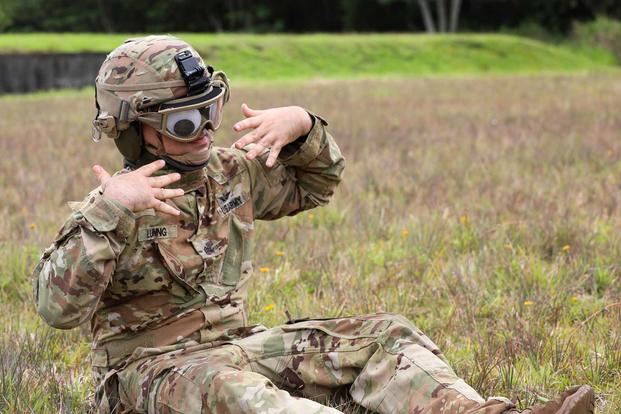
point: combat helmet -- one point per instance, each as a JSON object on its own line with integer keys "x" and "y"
{"x": 153, "y": 80}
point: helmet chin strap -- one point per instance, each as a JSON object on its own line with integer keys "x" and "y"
{"x": 176, "y": 165}
{"x": 181, "y": 164}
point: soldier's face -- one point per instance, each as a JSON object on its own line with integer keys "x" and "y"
{"x": 173, "y": 147}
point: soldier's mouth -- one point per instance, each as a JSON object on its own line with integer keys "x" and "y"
{"x": 204, "y": 139}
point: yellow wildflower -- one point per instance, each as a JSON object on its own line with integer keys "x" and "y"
{"x": 463, "y": 219}
{"x": 32, "y": 226}
{"x": 574, "y": 299}
{"x": 528, "y": 303}
{"x": 566, "y": 248}
{"x": 264, "y": 269}
{"x": 279, "y": 253}
{"x": 405, "y": 233}
{"x": 268, "y": 308}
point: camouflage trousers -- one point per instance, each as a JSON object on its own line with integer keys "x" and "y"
{"x": 388, "y": 365}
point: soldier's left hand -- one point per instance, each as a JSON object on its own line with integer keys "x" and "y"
{"x": 271, "y": 128}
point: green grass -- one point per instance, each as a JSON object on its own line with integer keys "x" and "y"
{"x": 489, "y": 219}
{"x": 257, "y": 57}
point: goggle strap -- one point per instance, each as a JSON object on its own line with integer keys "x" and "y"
{"x": 153, "y": 119}
{"x": 223, "y": 80}
{"x": 124, "y": 111}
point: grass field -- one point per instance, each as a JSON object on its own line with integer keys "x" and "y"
{"x": 486, "y": 210}
{"x": 259, "y": 57}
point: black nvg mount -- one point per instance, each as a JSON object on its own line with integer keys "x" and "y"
{"x": 193, "y": 72}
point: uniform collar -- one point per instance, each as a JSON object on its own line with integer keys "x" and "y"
{"x": 192, "y": 180}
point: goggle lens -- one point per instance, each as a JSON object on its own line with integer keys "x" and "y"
{"x": 215, "y": 113}
{"x": 184, "y": 123}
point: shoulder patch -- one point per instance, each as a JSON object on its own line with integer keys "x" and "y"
{"x": 228, "y": 200}
{"x": 157, "y": 232}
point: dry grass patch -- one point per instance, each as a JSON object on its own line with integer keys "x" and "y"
{"x": 486, "y": 210}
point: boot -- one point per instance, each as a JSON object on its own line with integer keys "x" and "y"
{"x": 575, "y": 400}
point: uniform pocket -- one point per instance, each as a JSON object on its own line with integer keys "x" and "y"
{"x": 174, "y": 265}
{"x": 239, "y": 247}
{"x": 345, "y": 328}
{"x": 313, "y": 336}
{"x": 176, "y": 393}
{"x": 212, "y": 253}
{"x": 68, "y": 230}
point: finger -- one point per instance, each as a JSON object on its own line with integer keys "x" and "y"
{"x": 164, "y": 193}
{"x": 253, "y": 122}
{"x": 165, "y": 208}
{"x": 248, "y": 111}
{"x": 255, "y": 151}
{"x": 271, "y": 159}
{"x": 101, "y": 174}
{"x": 249, "y": 138}
{"x": 164, "y": 180}
{"x": 152, "y": 167}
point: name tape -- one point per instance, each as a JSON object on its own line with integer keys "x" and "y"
{"x": 157, "y": 232}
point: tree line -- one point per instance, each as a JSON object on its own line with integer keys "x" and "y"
{"x": 555, "y": 16}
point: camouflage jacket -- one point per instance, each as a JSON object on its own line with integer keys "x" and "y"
{"x": 148, "y": 279}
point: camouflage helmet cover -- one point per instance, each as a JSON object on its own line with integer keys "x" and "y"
{"x": 139, "y": 74}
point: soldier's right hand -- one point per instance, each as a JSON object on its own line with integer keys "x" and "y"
{"x": 137, "y": 190}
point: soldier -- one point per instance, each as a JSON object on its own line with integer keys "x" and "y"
{"x": 158, "y": 258}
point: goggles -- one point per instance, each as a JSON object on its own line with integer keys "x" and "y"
{"x": 184, "y": 119}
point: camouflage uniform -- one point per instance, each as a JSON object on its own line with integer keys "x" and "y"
{"x": 164, "y": 296}
{"x": 165, "y": 299}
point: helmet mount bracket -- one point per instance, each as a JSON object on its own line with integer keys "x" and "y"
{"x": 193, "y": 72}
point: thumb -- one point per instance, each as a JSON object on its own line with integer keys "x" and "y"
{"x": 248, "y": 112}
{"x": 101, "y": 174}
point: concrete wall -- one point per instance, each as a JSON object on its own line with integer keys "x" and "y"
{"x": 21, "y": 73}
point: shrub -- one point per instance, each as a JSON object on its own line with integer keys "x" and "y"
{"x": 602, "y": 32}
